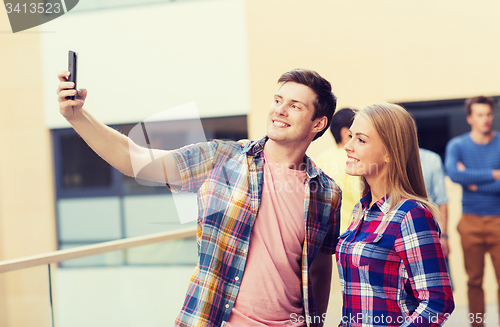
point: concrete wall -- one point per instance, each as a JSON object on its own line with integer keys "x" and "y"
{"x": 373, "y": 51}
{"x": 27, "y": 224}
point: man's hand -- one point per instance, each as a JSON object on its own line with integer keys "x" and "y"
{"x": 472, "y": 187}
{"x": 444, "y": 246}
{"x": 496, "y": 174}
{"x": 321, "y": 279}
{"x": 69, "y": 108}
{"x": 461, "y": 167}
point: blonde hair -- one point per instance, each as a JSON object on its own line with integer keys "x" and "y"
{"x": 403, "y": 175}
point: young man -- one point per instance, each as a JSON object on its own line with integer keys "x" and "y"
{"x": 268, "y": 218}
{"x": 333, "y": 162}
{"x": 473, "y": 160}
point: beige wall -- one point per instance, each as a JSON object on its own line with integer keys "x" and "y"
{"x": 374, "y": 51}
{"x": 27, "y": 224}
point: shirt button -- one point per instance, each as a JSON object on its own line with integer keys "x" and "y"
{"x": 227, "y": 306}
{"x": 236, "y": 278}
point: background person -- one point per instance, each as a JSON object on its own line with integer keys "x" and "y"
{"x": 390, "y": 259}
{"x": 473, "y": 161}
{"x": 264, "y": 252}
{"x": 433, "y": 171}
{"x": 333, "y": 162}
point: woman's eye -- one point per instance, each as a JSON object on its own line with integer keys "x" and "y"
{"x": 361, "y": 140}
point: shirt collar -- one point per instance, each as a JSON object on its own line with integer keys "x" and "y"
{"x": 256, "y": 147}
{"x": 383, "y": 204}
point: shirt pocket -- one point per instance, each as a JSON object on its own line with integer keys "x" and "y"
{"x": 363, "y": 251}
{"x": 341, "y": 251}
{"x": 344, "y": 234}
{"x": 342, "y": 245}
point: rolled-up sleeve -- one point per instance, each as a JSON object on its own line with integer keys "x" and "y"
{"x": 194, "y": 163}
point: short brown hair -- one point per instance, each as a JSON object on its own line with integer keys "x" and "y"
{"x": 326, "y": 101}
{"x": 479, "y": 99}
{"x": 342, "y": 118}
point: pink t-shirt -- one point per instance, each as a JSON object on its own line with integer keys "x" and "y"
{"x": 271, "y": 287}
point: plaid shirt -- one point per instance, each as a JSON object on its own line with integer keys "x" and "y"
{"x": 227, "y": 177}
{"x": 392, "y": 268}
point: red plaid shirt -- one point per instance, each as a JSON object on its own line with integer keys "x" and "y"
{"x": 392, "y": 268}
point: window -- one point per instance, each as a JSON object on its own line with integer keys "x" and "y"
{"x": 96, "y": 203}
{"x": 439, "y": 121}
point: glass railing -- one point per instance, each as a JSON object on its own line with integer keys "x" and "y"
{"x": 42, "y": 292}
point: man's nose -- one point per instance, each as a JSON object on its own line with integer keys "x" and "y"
{"x": 281, "y": 109}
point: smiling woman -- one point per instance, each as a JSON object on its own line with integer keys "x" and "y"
{"x": 390, "y": 258}
{"x": 366, "y": 154}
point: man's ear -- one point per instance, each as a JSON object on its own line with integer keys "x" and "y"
{"x": 320, "y": 124}
{"x": 344, "y": 135}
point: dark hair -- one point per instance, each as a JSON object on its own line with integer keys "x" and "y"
{"x": 325, "y": 102}
{"x": 479, "y": 99}
{"x": 342, "y": 118}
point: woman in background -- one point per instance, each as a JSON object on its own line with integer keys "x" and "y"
{"x": 390, "y": 261}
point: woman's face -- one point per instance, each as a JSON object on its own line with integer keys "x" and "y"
{"x": 366, "y": 155}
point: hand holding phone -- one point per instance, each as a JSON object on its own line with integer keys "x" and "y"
{"x": 70, "y": 100}
{"x": 72, "y": 56}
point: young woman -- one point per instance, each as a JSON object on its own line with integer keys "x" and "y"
{"x": 390, "y": 261}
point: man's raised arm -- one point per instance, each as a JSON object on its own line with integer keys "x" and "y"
{"x": 115, "y": 148}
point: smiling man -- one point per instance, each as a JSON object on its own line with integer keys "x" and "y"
{"x": 268, "y": 219}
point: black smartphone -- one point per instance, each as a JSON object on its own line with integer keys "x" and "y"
{"x": 72, "y": 69}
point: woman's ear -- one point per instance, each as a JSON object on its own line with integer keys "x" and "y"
{"x": 387, "y": 158}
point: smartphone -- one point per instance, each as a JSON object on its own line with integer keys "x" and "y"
{"x": 72, "y": 69}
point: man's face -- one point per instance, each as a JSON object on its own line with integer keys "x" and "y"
{"x": 480, "y": 118}
{"x": 289, "y": 118}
